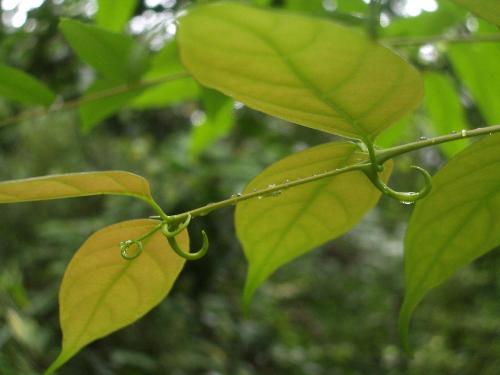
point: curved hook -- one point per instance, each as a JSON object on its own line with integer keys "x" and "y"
{"x": 404, "y": 197}
{"x": 125, "y": 245}
{"x": 189, "y": 256}
{"x": 180, "y": 227}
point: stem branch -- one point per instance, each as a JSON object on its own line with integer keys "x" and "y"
{"x": 381, "y": 157}
{"x": 419, "y": 40}
{"x": 71, "y": 104}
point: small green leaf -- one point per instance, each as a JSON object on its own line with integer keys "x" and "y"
{"x": 218, "y": 121}
{"x": 306, "y": 70}
{"x": 166, "y": 63}
{"x": 114, "y": 14}
{"x": 476, "y": 64}
{"x": 72, "y": 185}
{"x": 20, "y": 86}
{"x": 458, "y": 222}
{"x": 277, "y": 229}
{"x": 101, "y": 292}
{"x": 487, "y": 9}
{"x": 92, "y": 110}
{"x": 442, "y": 103}
{"x": 118, "y": 57}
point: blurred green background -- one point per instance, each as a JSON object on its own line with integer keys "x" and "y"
{"x": 333, "y": 311}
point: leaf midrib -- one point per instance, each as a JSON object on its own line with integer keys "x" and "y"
{"x": 295, "y": 70}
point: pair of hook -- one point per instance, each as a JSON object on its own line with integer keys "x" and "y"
{"x": 171, "y": 232}
{"x": 372, "y": 172}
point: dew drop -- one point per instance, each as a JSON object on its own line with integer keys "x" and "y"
{"x": 463, "y": 132}
{"x": 422, "y": 138}
{"x": 407, "y": 202}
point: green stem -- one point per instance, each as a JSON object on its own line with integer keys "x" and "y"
{"x": 419, "y": 40}
{"x": 384, "y": 155}
{"x": 373, "y": 18}
{"x": 381, "y": 156}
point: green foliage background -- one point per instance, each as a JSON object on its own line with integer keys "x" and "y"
{"x": 332, "y": 312}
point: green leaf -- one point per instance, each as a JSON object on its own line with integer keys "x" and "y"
{"x": 101, "y": 292}
{"x": 487, "y": 9}
{"x": 302, "y": 69}
{"x": 477, "y": 66}
{"x": 114, "y": 14}
{"x": 277, "y": 229}
{"x": 118, "y": 57}
{"x": 92, "y": 110}
{"x": 218, "y": 121}
{"x": 458, "y": 222}
{"x": 73, "y": 185}
{"x": 20, "y": 86}
{"x": 164, "y": 64}
{"x": 445, "y": 110}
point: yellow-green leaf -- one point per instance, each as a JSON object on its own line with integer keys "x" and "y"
{"x": 72, "y": 185}
{"x": 276, "y": 229}
{"x": 487, "y": 9}
{"x": 305, "y": 70}
{"x": 101, "y": 292}
{"x": 458, "y": 222}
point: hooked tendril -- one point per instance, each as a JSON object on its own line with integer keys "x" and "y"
{"x": 372, "y": 172}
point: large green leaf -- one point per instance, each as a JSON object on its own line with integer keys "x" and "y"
{"x": 458, "y": 222}
{"x": 276, "y": 229}
{"x": 487, "y": 9}
{"x": 17, "y": 85}
{"x": 477, "y": 66}
{"x": 101, "y": 292}
{"x": 114, "y": 14}
{"x": 118, "y": 57}
{"x": 72, "y": 185}
{"x": 442, "y": 103}
{"x": 218, "y": 121}
{"x": 166, "y": 63}
{"x": 92, "y": 110}
{"x": 303, "y": 69}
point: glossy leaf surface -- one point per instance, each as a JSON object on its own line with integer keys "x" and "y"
{"x": 114, "y": 14}
{"x": 303, "y": 69}
{"x": 118, "y": 57}
{"x": 458, "y": 222}
{"x": 72, "y": 185}
{"x": 487, "y": 9}
{"x": 101, "y": 292}
{"x": 277, "y": 229}
{"x": 20, "y": 86}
